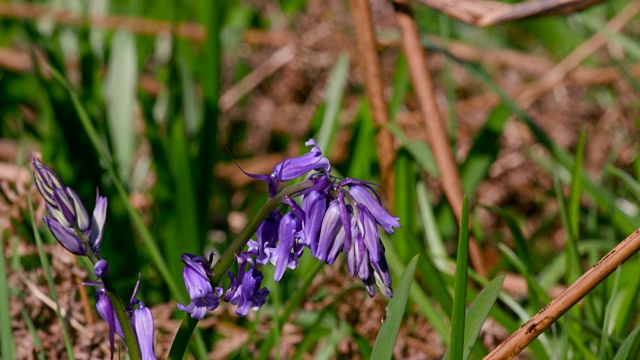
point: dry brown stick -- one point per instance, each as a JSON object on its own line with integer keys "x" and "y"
{"x": 249, "y": 82}
{"x": 573, "y": 60}
{"x": 138, "y": 25}
{"x": 363, "y": 25}
{"x": 423, "y": 87}
{"x": 558, "y": 306}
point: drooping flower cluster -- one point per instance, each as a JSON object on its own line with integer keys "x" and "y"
{"x": 70, "y": 224}
{"x": 335, "y": 216}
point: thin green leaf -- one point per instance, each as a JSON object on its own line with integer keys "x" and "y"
{"x": 386, "y": 339}
{"x": 460, "y": 290}
{"x": 625, "y": 350}
{"x": 433, "y": 240}
{"x": 52, "y": 289}
{"x": 424, "y": 303}
{"x": 6, "y": 334}
{"x": 477, "y": 314}
{"x": 333, "y": 98}
{"x": 120, "y": 94}
{"x": 627, "y": 180}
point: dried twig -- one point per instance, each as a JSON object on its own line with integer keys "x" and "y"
{"x": 560, "y": 71}
{"x": 581, "y": 287}
{"x": 363, "y": 26}
{"x": 423, "y": 87}
{"x": 138, "y": 25}
{"x": 486, "y": 12}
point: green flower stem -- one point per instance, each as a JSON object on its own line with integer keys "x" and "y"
{"x": 228, "y": 258}
{"x": 130, "y": 338}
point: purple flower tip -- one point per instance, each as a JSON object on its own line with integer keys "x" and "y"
{"x": 142, "y": 320}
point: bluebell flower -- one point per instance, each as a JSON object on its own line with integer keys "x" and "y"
{"x": 196, "y": 278}
{"x": 288, "y": 250}
{"x": 142, "y": 321}
{"x": 314, "y": 206}
{"x": 244, "y": 290}
{"x": 69, "y": 221}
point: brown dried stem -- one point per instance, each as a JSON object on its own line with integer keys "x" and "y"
{"x": 573, "y": 60}
{"x": 138, "y": 25}
{"x": 558, "y": 306}
{"x": 363, "y": 26}
{"x": 423, "y": 87}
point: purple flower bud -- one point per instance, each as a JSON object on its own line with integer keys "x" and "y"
{"x": 101, "y": 268}
{"x": 290, "y": 169}
{"x": 283, "y": 255}
{"x": 46, "y": 180}
{"x": 314, "y": 206}
{"x": 142, "y": 321}
{"x": 66, "y": 237}
{"x": 244, "y": 291}
{"x": 198, "y": 286}
{"x": 97, "y": 222}
{"x": 362, "y": 195}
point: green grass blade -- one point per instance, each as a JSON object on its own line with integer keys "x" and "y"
{"x": 571, "y": 247}
{"x": 625, "y": 350}
{"x": 456, "y": 349}
{"x": 425, "y": 304}
{"x": 484, "y": 150}
{"x": 576, "y": 189}
{"x": 386, "y": 339}
{"x": 433, "y": 240}
{"x": 419, "y": 150}
{"x": 120, "y": 95}
{"x": 631, "y": 183}
{"x": 478, "y": 312}
{"x": 333, "y": 98}
{"x": 39, "y": 348}
{"x": 610, "y": 315}
{"x": 52, "y": 289}
{"x": 6, "y": 334}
